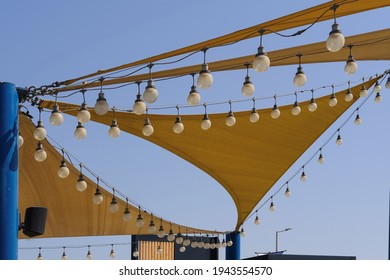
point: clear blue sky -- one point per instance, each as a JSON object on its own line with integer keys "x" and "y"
{"x": 342, "y": 209}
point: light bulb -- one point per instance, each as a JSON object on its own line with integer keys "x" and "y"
{"x": 303, "y": 177}
{"x": 242, "y": 233}
{"x": 247, "y": 88}
{"x": 150, "y": 94}
{"x": 205, "y": 79}
{"x": 206, "y": 123}
{"x": 335, "y": 40}
{"x": 193, "y": 97}
{"x": 200, "y": 244}
{"x": 218, "y": 244}
{"x": 287, "y": 193}
{"x": 377, "y": 87}
{"x": 159, "y": 250}
{"x": 321, "y": 159}
{"x": 148, "y": 129}
{"x": 272, "y": 207}
{"x": 56, "y": 118}
{"x": 83, "y": 116}
{"x": 299, "y": 78}
{"x": 261, "y": 62}
{"x": 339, "y": 141}
{"x": 139, "y": 106}
{"x": 229, "y": 243}
{"x": 126, "y": 217}
{"x": 97, "y": 197}
{"x": 182, "y": 248}
{"x": 140, "y": 221}
{"x": 357, "y": 120}
{"x": 296, "y": 110}
{"x": 64, "y": 257}
{"x": 178, "y": 127}
{"x": 254, "y": 116}
{"x": 81, "y": 184}
{"x": 332, "y": 100}
{"x": 101, "y": 106}
{"x": 152, "y": 227}
{"x": 230, "y": 120}
{"x": 179, "y": 238}
{"x": 171, "y": 236}
{"x": 20, "y": 141}
{"x": 114, "y": 130}
{"x": 135, "y": 253}
{"x": 80, "y": 132}
{"x": 186, "y": 241}
{"x": 39, "y": 257}
{"x": 40, "y": 154}
{"x": 351, "y": 66}
{"x": 114, "y": 206}
{"x": 378, "y": 98}
{"x": 63, "y": 170}
{"x": 348, "y": 96}
{"x": 194, "y": 244}
{"x": 257, "y": 220}
{"x": 275, "y": 113}
{"x": 363, "y": 92}
{"x": 89, "y": 255}
{"x": 212, "y": 244}
{"x": 224, "y": 244}
{"x": 387, "y": 83}
{"x": 312, "y": 105}
{"x": 39, "y": 131}
{"x": 112, "y": 254}
{"x": 161, "y": 232}
{"x": 206, "y": 245}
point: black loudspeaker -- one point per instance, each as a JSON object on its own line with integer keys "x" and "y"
{"x": 34, "y": 221}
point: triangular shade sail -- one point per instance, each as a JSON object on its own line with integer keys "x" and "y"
{"x": 71, "y": 213}
{"x": 251, "y": 156}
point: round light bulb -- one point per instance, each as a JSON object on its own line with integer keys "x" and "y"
{"x": 64, "y": 257}
{"x": 206, "y": 123}
{"x": 378, "y": 98}
{"x": 89, "y": 256}
{"x": 224, "y": 244}
{"x": 56, "y": 118}
{"x": 296, "y": 110}
{"x": 205, "y": 79}
{"x": 229, "y": 243}
{"x": 206, "y": 245}
{"x": 247, "y": 88}
{"x": 152, "y": 228}
{"x": 212, "y": 244}
{"x": 194, "y": 244}
{"x": 186, "y": 241}
{"x": 193, "y": 97}
{"x": 114, "y": 130}
{"x": 348, "y": 96}
{"x": 179, "y": 239}
{"x": 101, "y": 106}
{"x": 147, "y": 130}
{"x": 358, "y": 120}
{"x": 387, "y": 85}
{"x": 182, "y": 248}
{"x": 39, "y": 257}
{"x": 20, "y": 141}
{"x": 363, "y": 92}
{"x": 332, "y": 101}
{"x": 321, "y": 159}
{"x": 303, "y": 177}
{"x": 140, "y": 221}
{"x": 139, "y": 106}
{"x": 161, "y": 232}
{"x": 171, "y": 236}
{"x": 272, "y": 207}
{"x": 150, "y": 94}
{"x": 254, "y": 116}
{"x": 40, "y": 155}
{"x": 178, "y": 127}
{"x": 312, "y": 106}
{"x": 377, "y": 88}
{"x": 350, "y": 67}
{"x": 261, "y": 62}
{"x": 339, "y": 141}
{"x": 159, "y": 250}
{"x": 335, "y": 40}
{"x": 112, "y": 254}
{"x": 200, "y": 244}
{"x": 39, "y": 132}
{"x": 257, "y": 220}
{"x": 80, "y": 132}
{"x": 126, "y": 217}
{"x": 287, "y": 193}
{"x": 230, "y": 120}
{"x": 114, "y": 206}
{"x": 83, "y": 116}
{"x": 81, "y": 184}
{"x": 299, "y": 78}
{"x": 97, "y": 197}
{"x": 242, "y": 233}
{"x": 135, "y": 253}
{"x": 275, "y": 113}
{"x": 63, "y": 170}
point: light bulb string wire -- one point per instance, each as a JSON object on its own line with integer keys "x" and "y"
{"x": 331, "y": 137}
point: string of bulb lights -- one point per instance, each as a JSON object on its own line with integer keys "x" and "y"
{"x": 321, "y": 159}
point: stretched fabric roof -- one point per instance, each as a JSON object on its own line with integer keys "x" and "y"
{"x": 251, "y": 156}
{"x": 304, "y": 17}
{"x": 367, "y": 46}
{"x": 72, "y": 213}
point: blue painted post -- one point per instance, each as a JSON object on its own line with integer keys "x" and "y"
{"x": 9, "y": 133}
{"x": 233, "y": 252}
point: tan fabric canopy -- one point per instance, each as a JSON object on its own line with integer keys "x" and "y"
{"x": 368, "y": 46}
{"x": 251, "y": 156}
{"x": 72, "y": 213}
{"x": 304, "y": 17}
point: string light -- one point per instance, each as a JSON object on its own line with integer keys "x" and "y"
{"x": 303, "y": 175}
{"x": 83, "y": 115}
{"x": 178, "y": 127}
{"x": 97, "y": 197}
{"x": 257, "y": 219}
{"x": 194, "y": 243}
{"x": 336, "y": 40}
{"x": 114, "y": 206}
{"x": 339, "y": 141}
{"x": 114, "y": 130}
{"x": 194, "y": 96}
{"x": 64, "y": 257}
{"x": 56, "y": 118}
{"x": 139, "y": 106}
{"x": 242, "y": 232}
{"x": 230, "y": 120}
{"x": 179, "y": 238}
{"x": 206, "y": 123}
{"x": 378, "y": 98}
{"x": 229, "y": 243}
{"x": 212, "y": 243}
{"x": 150, "y": 94}
{"x": 296, "y": 110}
{"x": 89, "y": 254}
{"x": 148, "y": 129}
{"x": 159, "y": 249}
{"x": 126, "y": 217}
{"x": 254, "y": 116}
{"x": 205, "y": 79}
{"x": 348, "y": 95}
{"x": 39, "y": 254}
{"x": 247, "y": 88}
{"x": 351, "y": 65}
{"x": 321, "y": 159}
{"x": 80, "y": 132}
{"x": 152, "y": 227}
{"x": 387, "y": 85}
{"x": 171, "y": 235}
{"x": 39, "y": 132}
{"x": 182, "y": 248}
{"x": 40, "y": 154}
{"x": 357, "y": 120}
{"x": 275, "y": 113}
{"x": 332, "y": 99}
{"x": 186, "y": 241}
{"x": 272, "y": 205}
{"x": 63, "y": 170}
{"x": 201, "y": 243}
{"x": 81, "y": 184}
{"x": 112, "y": 252}
{"x": 261, "y": 62}
{"x": 363, "y": 91}
{"x": 287, "y": 192}
{"x": 140, "y": 220}
{"x": 101, "y": 105}
{"x": 161, "y": 232}
{"x": 300, "y": 77}
{"x": 135, "y": 253}
{"x": 313, "y": 105}
{"x": 377, "y": 89}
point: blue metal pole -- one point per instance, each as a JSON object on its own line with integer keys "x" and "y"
{"x": 9, "y": 133}
{"x": 233, "y": 252}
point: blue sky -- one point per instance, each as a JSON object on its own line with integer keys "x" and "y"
{"x": 341, "y": 210}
